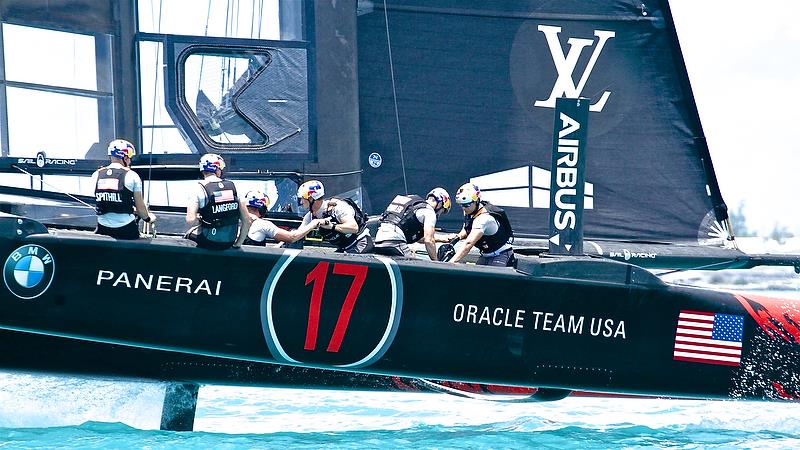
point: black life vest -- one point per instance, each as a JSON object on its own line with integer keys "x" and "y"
{"x": 219, "y": 218}
{"x": 337, "y": 238}
{"x": 402, "y": 213}
{"x": 110, "y": 193}
{"x": 488, "y": 244}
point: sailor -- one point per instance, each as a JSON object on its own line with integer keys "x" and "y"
{"x": 408, "y": 219}
{"x": 262, "y": 228}
{"x": 344, "y": 223}
{"x": 485, "y": 227}
{"x": 214, "y": 210}
{"x": 118, "y": 194}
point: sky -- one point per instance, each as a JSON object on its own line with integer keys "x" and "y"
{"x": 743, "y": 60}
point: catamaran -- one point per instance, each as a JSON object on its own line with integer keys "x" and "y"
{"x": 379, "y": 98}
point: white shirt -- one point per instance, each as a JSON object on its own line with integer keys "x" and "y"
{"x": 391, "y": 232}
{"x": 262, "y": 229}
{"x": 132, "y": 182}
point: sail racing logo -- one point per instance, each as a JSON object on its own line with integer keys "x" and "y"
{"x": 42, "y": 160}
{"x": 28, "y": 271}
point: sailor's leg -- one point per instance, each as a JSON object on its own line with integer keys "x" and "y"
{"x": 180, "y": 405}
{"x": 503, "y": 259}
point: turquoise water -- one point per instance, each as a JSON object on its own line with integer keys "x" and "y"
{"x": 58, "y": 412}
{"x": 67, "y": 413}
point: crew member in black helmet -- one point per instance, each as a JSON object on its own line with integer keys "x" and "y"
{"x": 214, "y": 209}
{"x": 344, "y": 225}
{"x": 408, "y": 219}
{"x": 118, "y": 194}
{"x": 485, "y": 227}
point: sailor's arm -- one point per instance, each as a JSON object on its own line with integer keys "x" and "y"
{"x": 291, "y": 236}
{"x": 141, "y": 208}
{"x": 429, "y": 240}
{"x": 474, "y": 236}
{"x": 244, "y": 218}
{"x": 192, "y": 218}
{"x": 347, "y": 224}
{"x": 450, "y": 237}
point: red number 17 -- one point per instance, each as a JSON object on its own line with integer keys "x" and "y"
{"x": 317, "y": 277}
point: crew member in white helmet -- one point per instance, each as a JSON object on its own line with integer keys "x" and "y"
{"x": 262, "y": 228}
{"x": 344, "y": 225}
{"x": 214, "y": 210}
{"x": 118, "y": 194}
{"x": 409, "y": 219}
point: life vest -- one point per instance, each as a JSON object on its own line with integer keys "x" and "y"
{"x": 488, "y": 244}
{"x": 402, "y": 213}
{"x": 219, "y": 218}
{"x": 337, "y": 238}
{"x": 111, "y": 195}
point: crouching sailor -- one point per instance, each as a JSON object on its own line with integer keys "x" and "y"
{"x": 344, "y": 225}
{"x": 486, "y": 227}
{"x": 262, "y": 228}
{"x": 118, "y": 194}
{"x": 214, "y": 210}
{"x": 409, "y": 219}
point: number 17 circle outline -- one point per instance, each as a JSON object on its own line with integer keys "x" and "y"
{"x": 389, "y": 334}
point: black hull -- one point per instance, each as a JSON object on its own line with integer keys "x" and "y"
{"x": 164, "y": 310}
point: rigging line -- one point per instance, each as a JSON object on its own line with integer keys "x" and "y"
{"x": 394, "y": 96}
{"x": 228, "y": 19}
{"x": 155, "y": 102}
{"x": 53, "y": 219}
{"x": 707, "y": 266}
{"x": 260, "y": 16}
{"x": 333, "y": 174}
{"x": 252, "y": 17}
{"x": 57, "y": 189}
{"x": 202, "y": 55}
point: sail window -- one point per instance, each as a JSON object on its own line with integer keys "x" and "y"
{"x": 213, "y": 86}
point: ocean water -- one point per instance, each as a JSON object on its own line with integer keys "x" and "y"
{"x": 39, "y": 412}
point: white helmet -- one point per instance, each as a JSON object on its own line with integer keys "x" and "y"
{"x": 441, "y": 196}
{"x": 120, "y": 148}
{"x": 211, "y": 162}
{"x": 257, "y": 199}
{"x": 311, "y": 190}
{"x": 467, "y": 194}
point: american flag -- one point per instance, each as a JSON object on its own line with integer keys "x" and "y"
{"x": 108, "y": 184}
{"x": 223, "y": 196}
{"x": 709, "y": 338}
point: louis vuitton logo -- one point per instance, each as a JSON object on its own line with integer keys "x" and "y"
{"x": 565, "y": 66}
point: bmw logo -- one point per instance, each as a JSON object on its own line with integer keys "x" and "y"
{"x": 28, "y": 271}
